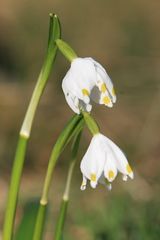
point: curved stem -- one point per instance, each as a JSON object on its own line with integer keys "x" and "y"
{"x": 74, "y": 125}
{"x": 64, "y": 138}
{"x": 65, "y": 199}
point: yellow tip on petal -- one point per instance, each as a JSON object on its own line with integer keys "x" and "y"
{"x": 83, "y": 184}
{"x": 103, "y": 88}
{"x": 113, "y": 92}
{"x": 110, "y": 174}
{"x": 106, "y": 100}
{"x": 85, "y": 92}
{"x": 93, "y": 177}
{"x": 129, "y": 170}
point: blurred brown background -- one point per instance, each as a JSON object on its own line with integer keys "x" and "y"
{"x": 122, "y": 35}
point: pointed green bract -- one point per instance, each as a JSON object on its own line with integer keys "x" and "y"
{"x": 54, "y": 29}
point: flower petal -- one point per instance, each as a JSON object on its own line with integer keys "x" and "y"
{"x": 84, "y": 183}
{"x": 101, "y": 98}
{"x": 83, "y": 77}
{"x": 104, "y": 78}
{"x": 92, "y": 164}
{"x": 120, "y": 159}
{"x": 71, "y": 102}
{"x": 106, "y": 100}
{"x": 110, "y": 170}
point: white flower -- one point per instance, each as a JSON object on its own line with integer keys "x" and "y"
{"x": 87, "y": 80}
{"x": 102, "y": 161}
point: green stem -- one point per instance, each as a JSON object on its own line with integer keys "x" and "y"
{"x": 66, "y": 50}
{"x": 91, "y": 123}
{"x": 40, "y": 224}
{"x": 24, "y": 135}
{"x": 14, "y": 184}
{"x": 74, "y": 125}
{"x": 65, "y": 199}
{"x": 66, "y": 135}
{"x": 54, "y": 33}
{"x": 74, "y": 152}
{"x": 61, "y": 220}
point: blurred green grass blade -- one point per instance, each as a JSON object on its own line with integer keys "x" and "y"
{"x": 26, "y": 227}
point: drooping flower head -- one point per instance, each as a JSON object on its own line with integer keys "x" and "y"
{"x": 103, "y": 160}
{"x": 87, "y": 80}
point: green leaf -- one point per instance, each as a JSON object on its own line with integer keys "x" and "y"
{"x": 26, "y": 227}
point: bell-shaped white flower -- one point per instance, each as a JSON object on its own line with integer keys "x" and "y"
{"x": 87, "y": 80}
{"x": 103, "y": 160}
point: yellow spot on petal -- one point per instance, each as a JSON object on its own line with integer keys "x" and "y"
{"x": 110, "y": 174}
{"x": 129, "y": 170}
{"x": 113, "y": 92}
{"x": 103, "y": 88}
{"x": 85, "y": 92}
{"x": 106, "y": 100}
{"x": 93, "y": 177}
{"x": 83, "y": 184}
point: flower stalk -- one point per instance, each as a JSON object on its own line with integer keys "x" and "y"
{"x": 65, "y": 198}
{"x": 66, "y": 50}
{"x": 54, "y": 33}
{"x": 91, "y": 123}
{"x": 74, "y": 126}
